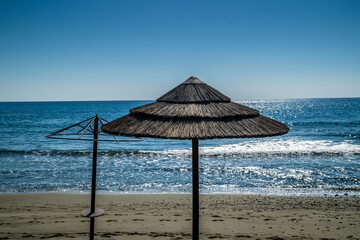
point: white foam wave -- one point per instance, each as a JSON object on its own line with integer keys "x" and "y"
{"x": 275, "y": 148}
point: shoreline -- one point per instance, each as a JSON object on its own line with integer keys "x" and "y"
{"x": 282, "y": 193}
{"x": 168, "y": 216}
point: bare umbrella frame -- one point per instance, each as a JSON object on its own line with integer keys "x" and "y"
{"x": 88, "y": 128}
{"x": 194, "y": 110}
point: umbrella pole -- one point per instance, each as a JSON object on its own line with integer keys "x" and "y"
{"x": 93, "y": 182}
{"x": 195, "y": 179}
{"x": 93, "y": 212}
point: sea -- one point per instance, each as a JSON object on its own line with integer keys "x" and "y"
{"x": 319, "y": 156}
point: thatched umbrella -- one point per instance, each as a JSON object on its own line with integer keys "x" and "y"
{"x": 194, "y": 110}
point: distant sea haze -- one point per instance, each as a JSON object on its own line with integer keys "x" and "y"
{"x": 319, "y": 156}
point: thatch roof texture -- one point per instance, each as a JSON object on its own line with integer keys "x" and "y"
{"x": 194, "y": 110}
{"x": 193, "y": 90}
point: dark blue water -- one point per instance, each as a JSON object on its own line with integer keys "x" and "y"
{"x": 320, "y": 155}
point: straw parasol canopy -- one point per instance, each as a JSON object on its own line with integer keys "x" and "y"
{"x": 194, "y": 110}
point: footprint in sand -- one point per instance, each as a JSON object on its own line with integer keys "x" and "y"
{"x": 217, "y": 220}
{"x": 27, "y": 236}
{"x": 243, "y": 236}
{"x": 53, "y": 236}
{"x": 106, "y": 235}
{"x": 217, "y": 236}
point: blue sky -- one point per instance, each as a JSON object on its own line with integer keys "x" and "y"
{"x": 119, "y": 50}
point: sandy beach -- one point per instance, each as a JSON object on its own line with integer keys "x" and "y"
{"x": 168, "y": 216}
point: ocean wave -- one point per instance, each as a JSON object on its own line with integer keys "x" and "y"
{"x": 251, "y": 148}
{"x": 75, "y": 153}
{"x": 290, "y": 147}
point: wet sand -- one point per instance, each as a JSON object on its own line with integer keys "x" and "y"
{"x": 168, "y": 216}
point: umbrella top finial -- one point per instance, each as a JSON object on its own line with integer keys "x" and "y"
{"x": 192, "y": 79}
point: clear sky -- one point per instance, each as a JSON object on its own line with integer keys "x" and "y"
{"x": 120, "y": 50}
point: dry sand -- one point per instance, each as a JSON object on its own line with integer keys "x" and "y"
{"x": 168, "y": 216}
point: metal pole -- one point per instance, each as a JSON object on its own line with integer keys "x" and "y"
{"x": 93, "y": 183}
{"x": 92, "y": 228}
{"x": 195, "y": 179}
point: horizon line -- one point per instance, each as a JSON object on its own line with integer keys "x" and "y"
{"x": 123, "y": 100}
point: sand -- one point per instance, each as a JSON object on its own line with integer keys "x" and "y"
{"x": 168, "y": 216}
